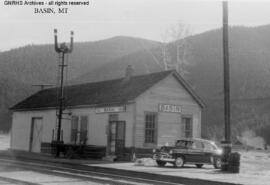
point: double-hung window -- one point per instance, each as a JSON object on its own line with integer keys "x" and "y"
{"x": 187, "y": 122}
{"x": 150, "y": 128}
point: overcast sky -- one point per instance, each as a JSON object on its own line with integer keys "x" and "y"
{"x": 138, "y": 18}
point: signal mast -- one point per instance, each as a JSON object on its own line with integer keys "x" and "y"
{"x": 62, "y": 50}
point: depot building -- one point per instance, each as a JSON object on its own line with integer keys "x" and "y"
{"x": 133, "y": 114}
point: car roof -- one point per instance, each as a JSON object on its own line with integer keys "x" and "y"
{"x": 196, "y": 139}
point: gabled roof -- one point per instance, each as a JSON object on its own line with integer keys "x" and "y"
{"x": 111, "y": 92}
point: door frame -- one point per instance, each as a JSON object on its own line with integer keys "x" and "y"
{"x": 78, "y": 129}
{"x": 116, "y": 135}
{"x": 32, "y": 132}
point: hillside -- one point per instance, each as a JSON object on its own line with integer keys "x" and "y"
{"x": 107, "y": 59}
{"x": 249, "y": 63}
{"x": 250, "y": 76}
{"x": 38, "y": 63}
{"x": 23, "y": 67}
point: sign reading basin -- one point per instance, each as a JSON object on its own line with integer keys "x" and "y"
{"x": 110, "y": 109}
{"x": 169, "y": 108}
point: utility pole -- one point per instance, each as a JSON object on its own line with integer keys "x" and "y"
{"x": 227, "y": 143}
{"x": 63, "y": 49}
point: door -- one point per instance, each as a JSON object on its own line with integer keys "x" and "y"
{"x": 36, "y": 135}
{"x": 196, "y": 152}
{"x": 83, "y": 129}
{"x": 120, "y": 137}
{"x": 79, "y": 129}
{"x": 116, "y": 137}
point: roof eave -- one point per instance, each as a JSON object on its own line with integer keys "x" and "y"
{"x": 189, "y": 89}
{"x": 74, "y": 107}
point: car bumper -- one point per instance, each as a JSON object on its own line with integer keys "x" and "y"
{"x": 163, "y": 158}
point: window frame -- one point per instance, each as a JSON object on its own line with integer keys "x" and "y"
{"x": 78, "y": 137}
{"x": 154, "y": 129}
{"x": 190, "y": 131}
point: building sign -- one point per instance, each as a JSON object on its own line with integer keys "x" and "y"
{"x": 110, "y": 109}
{"x": 169, "y": 108}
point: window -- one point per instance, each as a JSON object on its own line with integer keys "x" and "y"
{"x": 150, "y": 128}
{"x": 209, "y": 147}
{"x": 197, "y": 145}
{"x": 187, "y": 122}
{"x": 79, "y": 127}
{"x": 181, "y": 144}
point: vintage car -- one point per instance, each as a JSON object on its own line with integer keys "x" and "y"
{"x": 189, "y": 150}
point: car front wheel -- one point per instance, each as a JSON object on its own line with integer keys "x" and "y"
{"x": 179, "y": 162}
{"x": 217, "y": 163}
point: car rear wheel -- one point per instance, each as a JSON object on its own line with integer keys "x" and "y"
{"x": 179, "y": 162}
{"x": 199, "y": 165}
{"x": 161, "y": 163}
{"x": 217, "y": 163}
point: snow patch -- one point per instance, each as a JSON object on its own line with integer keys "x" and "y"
{"x": 145, "y": 162}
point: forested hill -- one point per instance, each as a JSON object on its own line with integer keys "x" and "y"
{"x": 249, "y": 63}
{"x": 23, "y": 67}
{"x": 38, "y": 63}
{"x": 249, "y": 67}
{"x": 95, "y": 61}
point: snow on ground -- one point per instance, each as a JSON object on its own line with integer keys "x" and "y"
{"x": 254, "y": 169}
{"x": 4, "y": 141}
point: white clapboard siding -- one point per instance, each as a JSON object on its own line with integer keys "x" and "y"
{"x": 167, "y": 91}
{"x": 21, "y": 127}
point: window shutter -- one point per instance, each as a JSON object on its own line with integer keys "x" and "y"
{"x": 74, "y": 128}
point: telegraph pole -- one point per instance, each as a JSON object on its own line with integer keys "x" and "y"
{"x": 227, "y": 142}
{"x": 63, "y": 49}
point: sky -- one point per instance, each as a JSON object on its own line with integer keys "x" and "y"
{"x": 102, "y": 19}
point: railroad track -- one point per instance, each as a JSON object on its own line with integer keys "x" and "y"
{"x": 103, "y": 175}
{"x": 73, "y": 171}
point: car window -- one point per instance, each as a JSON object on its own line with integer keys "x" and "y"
{"x": 189, "y": 144}
{"x": 181, "y": 144}
{"x": 209, "y": 147}
{"x": 197, "y": 145}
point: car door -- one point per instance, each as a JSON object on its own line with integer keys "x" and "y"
{"x": 196, "y": 153}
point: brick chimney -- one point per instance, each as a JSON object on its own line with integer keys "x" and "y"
{"x": 129, "y": 72}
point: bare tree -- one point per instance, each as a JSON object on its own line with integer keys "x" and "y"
{"x": 164, "y": 49}
{"x": 175, "y": 36}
